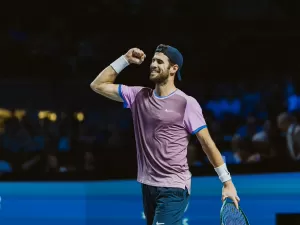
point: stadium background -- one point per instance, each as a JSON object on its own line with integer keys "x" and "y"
{"x": 60, "y": 143}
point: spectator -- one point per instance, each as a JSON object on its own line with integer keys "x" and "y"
{"x": 251, "y": 127}
{"x": 240, "y": 152}
{"x": 291, "y": 128}
{"x": 262, "y": 143}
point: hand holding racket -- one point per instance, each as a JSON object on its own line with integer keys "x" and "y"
{"x": 230, "y": 215}
{"x": 229, "y": 191}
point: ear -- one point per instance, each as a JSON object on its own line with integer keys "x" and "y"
{"x": 174, "y": 69}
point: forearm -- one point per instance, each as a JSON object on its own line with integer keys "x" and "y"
{"x": 104, "y": 82}
{"x": 110, "y": 73}
{"x": 213, "y": 154}
{"x": 216, "y": 159}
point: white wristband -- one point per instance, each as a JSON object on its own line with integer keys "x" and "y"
{"x": 223, "y": 173}
{"x": 119, "y": 64}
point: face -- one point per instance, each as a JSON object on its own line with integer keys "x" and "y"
{"x": 281, "y": 125}
{"x": 161, "y": 69}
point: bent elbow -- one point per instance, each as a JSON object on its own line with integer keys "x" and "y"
{"x": 95, "y": 87}
{"x": 99, "y": 89}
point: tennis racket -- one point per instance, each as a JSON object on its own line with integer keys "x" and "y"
{"x": 230, "y": 215}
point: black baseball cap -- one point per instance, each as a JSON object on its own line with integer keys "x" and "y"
{"x": 173, "y": 54}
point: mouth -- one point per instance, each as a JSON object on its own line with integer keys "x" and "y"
{"x": 154, "y": 71}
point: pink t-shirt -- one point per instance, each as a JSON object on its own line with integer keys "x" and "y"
{"x": 162, "y": 127}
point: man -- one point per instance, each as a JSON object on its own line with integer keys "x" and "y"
{"x": 288, "y": 124}
{"x": 263, "y": 143}
{"x": 163, "y": 120}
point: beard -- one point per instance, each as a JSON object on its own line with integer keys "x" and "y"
{"x": 159, "y": 77}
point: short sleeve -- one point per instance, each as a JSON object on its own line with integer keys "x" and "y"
{"x": 193, "y": 117}
{"x": 128, "y": 94}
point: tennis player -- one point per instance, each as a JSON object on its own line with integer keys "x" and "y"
{"x": 164, "y": 118}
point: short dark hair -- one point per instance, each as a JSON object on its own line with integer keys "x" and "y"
{"x": 161, "y": 48}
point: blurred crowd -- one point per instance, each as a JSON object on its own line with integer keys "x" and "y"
{"x": 252, "y": 124}
{"x": 59, "y": 142}
{"x": 249, "y": 125}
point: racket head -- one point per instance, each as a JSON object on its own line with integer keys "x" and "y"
{"x": 230, "y": 215}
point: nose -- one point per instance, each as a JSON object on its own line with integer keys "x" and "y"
{"x": 153, "y": 67}
{"x": 154, "y": 64}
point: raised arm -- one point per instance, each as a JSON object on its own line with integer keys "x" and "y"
{"x": 104, "y": 84}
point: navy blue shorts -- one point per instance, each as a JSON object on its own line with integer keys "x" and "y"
{"x": 164, "y": 206}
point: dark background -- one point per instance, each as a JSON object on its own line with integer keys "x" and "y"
{"x": 244, "y": 52}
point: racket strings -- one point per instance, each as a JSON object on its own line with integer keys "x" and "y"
{"x": 233, "y": 216}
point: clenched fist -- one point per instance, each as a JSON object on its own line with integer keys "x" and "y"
{"x": 135, "y": 56}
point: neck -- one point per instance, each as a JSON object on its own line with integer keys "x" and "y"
{"x": 164, "y": 89}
